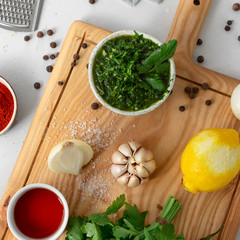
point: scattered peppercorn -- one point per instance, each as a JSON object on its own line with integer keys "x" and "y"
{"x": 53, "y": 44}
{"x": 205, "y": 86}
{"x": 52, "y": 56}
{"x": 227, "y": 28}
{"x": 40, "y": 34}
{"x": 37, "y": 85}
{"x": 236, "y": 7}
{"x": 195, "y": 90}
{"x": 73, "y": 64}
{"x": 50, "y": 32}
{"x": 181, "y": 108}
{"x": 84, "y": 45}
{"x": 196, "y": 2}
{"x": 95, "y": 106}
{"x": 60, "y": 83}
{"x": 92, "y": 1}
{"x": 200, "y": 59}
{"x": 45, "y": 57}
{"x": 187, "y": 90}
{"x": 49, "y": 68}
{"x": 75, "y": 56}
{"x": 208, "y": 102}
{"x": 192, "y": 95}
{"x": 239, "y": 38}
{"x": 27, "y": 38}
{"x": 229, "y": 22}
{"x": 199, "y": 41}
{"x": 87, "y": 66}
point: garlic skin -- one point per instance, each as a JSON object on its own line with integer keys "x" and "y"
{"x": 132, "y": 164}
{"x": 235, "y": 102}
{"x": 69, "y": 156}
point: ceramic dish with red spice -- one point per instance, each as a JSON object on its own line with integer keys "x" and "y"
{"x": 8, "y": 105}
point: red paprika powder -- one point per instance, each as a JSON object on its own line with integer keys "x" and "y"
{"x": 6, "y": 106}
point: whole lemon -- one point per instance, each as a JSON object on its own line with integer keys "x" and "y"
{"x": 211, "y": 160}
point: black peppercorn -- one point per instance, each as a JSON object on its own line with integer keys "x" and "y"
{"x": 200, "y": 59}
{"x": 95, "y": 106}
{"x": 181, "y": 108}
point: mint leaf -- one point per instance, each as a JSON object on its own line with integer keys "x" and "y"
{"x": 156, "y": 82}
{"x": 116, "y": 205}
{"x": 100, "y": 219}
{"x": 159, "y": 56}
{"x": 180, "y": 237}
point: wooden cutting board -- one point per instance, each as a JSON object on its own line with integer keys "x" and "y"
{"x": 65, "y": 112}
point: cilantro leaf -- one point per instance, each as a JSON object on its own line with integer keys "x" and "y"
{"x": 122, "y": 232}
{"x": 116, "y": 205}
{"x": 159, "y": 56}
{"x": 92, "y": 230}
{"x": 164, "y": 232}
{"x": 74, "y": 228}
{"x": 148, "y": 235}
{"x": 100, "y": 219}
{"x": 134, "y": 217}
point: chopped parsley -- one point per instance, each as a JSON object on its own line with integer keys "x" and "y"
{"x": 131, "y": 73}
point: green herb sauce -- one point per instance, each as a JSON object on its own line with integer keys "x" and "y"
{"x": 118, "y": 78}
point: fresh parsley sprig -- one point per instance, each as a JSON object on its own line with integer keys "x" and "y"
{"x": 154, "y": 68}
{"x": 129, "y": 227}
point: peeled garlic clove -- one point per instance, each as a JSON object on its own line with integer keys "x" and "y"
{"x": 150, "y": 166}
{"x": 144, "y": 181}
{"x": 69, "y": 156}
{"x": 118, "y": 158}
{"x": 132, "y": 170}
{"x": 125, "y": 150}
{"x": 118, "y": 170}
{"x": 123, "y": 179}
{"x": 143, "y": 155}
{"x": 133, "y": 181}
{"x": 134, "y": 146}
{"x": 141, "y": 172}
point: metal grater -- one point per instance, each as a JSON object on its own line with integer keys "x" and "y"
{"x": 20, "y": 15}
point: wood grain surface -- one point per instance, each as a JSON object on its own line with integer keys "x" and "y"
{"x": 65, "y": 112}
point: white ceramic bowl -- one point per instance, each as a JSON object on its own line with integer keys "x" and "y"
{"x": 98, "y": 96}
{"x": 10, "y": 212}
{"x": 4, "y": 82}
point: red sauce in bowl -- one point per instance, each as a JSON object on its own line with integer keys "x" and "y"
{"x": 38, "y": 213}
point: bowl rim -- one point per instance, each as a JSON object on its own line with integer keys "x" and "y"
{"x": 98, "y": 96}
{"x": 7, "y": 84}
{"x": 10, "y": 211}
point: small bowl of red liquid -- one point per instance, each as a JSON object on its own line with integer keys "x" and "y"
{"x": 37, "y": 211}
{"x": 8, "y": 105}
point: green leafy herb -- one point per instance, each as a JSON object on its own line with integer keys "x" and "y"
{"x": 129, "y": 227}
{"x": 154, "y": 61}
{"x": 213, "y": 234}
{"x": 131, "y": 72}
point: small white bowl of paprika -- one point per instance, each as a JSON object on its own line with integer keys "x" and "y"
{"x": 8, "y": 105}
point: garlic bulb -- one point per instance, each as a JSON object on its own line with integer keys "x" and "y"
{"x": 132, "y": 164}
{"x": 235, "y": 102}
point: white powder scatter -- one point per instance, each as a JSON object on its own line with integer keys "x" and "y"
{"x": 94, "y": 183}
{"x": 90, "y": 131}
